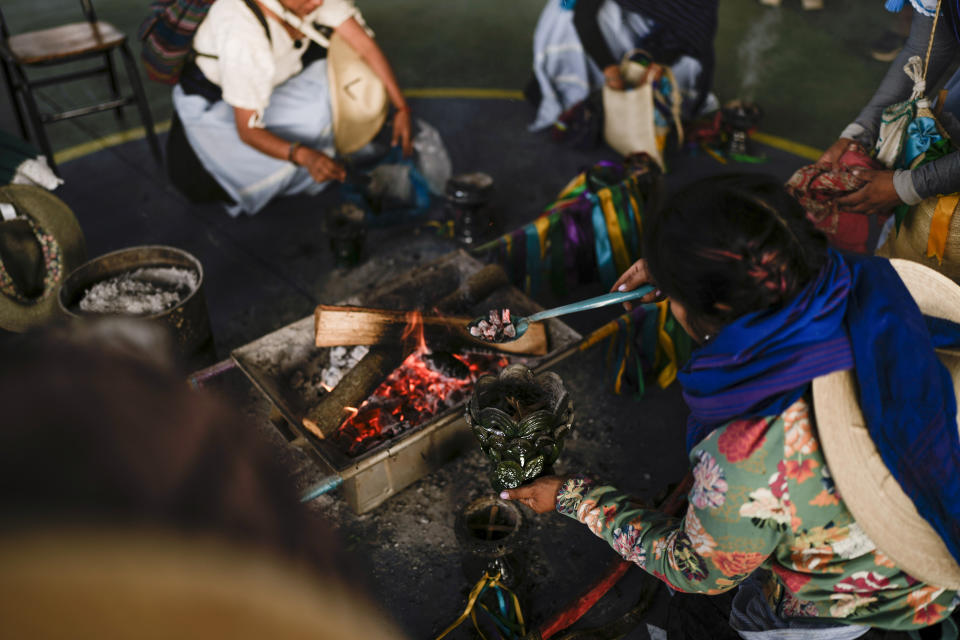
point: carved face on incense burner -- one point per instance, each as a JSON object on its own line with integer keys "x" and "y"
{"x": 521, "y": 421}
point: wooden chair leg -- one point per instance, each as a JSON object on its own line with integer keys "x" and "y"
{"x": 142, "y": 104}
{"x": 14, "y": 101}
{"x": 25, "y": 92}
{"x": 114, "y": 83}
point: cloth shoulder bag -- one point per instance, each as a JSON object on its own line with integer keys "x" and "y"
{"x": 166, "y": 36}
{"x": 910, "y": 136}
{"x": 639, "y": 118}
{"x": 357, "y": 94}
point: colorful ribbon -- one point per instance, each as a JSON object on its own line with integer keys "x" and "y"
{"x": 514, "y": 628}
{"x": 940, "y": 226}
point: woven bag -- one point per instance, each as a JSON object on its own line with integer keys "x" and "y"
{"x": 912, "y": 241}
{"x": 167, "y": 36}
{"x": 929, "y": 232}
{"x": 631, "y": 123}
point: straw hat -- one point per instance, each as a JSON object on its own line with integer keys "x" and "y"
{"x": 359, "y": 98}
{"x": 871, "y": 493}
{"x": 38, "y": 249}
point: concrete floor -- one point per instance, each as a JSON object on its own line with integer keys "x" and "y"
{"x": 813, "y": 74}
{"x": 809, "y": 70}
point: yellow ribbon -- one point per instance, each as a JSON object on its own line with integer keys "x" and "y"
{"x": 637, "y": 220}
{"x": 940, "y": 226}
{"x": 471, "y": 611}
{"x": 543, "y": 228}
{"x": 576, "y": 183}
{"x": 669, "y": 373}
{"x": 620, "y": 254}
{"x": 626, "y": 357}
{"x": 598, "y": 335}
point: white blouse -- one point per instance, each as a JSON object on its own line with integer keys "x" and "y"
{"x": 233, "y": 50}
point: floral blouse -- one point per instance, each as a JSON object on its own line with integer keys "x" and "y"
{"x": 763, "y": 498}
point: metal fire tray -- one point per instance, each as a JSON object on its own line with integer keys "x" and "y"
{"x": 285, "y": 366}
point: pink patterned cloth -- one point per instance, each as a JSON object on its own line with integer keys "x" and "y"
{"x": 817, "y": 188}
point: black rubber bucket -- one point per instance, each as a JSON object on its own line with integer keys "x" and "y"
{"x": 187, "y": 322}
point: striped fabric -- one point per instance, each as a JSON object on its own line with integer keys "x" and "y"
{"x": 167, "y": 34}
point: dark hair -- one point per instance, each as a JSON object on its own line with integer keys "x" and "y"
{"x": 94, "y": 432}
{"x": 729, "y": 245}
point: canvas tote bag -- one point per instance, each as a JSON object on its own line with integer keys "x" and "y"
{"x": 630, "y": 122}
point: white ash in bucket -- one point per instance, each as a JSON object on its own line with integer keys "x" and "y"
{"x": 145, "y": 291}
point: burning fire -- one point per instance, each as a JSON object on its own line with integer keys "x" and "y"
{"x": 412, "y": 394}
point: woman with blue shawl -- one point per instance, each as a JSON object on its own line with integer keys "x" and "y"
{"x": 772, "y": 308}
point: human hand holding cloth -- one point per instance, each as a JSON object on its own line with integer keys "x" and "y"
{"x": 838, "y": 190}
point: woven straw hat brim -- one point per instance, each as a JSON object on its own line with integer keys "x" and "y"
{"x": 56, "y": 218}
{"x": 358, "y": 98}
{"x": 865, "y": 484}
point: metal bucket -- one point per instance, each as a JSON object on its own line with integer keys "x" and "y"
{"x": 188, "y": 322}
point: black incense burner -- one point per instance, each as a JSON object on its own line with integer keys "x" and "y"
{"x": 347, "y": 231}
{"x": 521, "y": 421}
{"x": 739, "y": 119}
{"x": 467, "y": 196}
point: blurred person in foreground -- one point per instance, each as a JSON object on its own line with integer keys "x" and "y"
{"x": 134, "y": 507}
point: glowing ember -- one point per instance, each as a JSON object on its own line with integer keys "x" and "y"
{"x": 414, "y": 393}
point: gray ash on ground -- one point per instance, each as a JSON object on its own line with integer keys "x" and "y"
{"x": 142, "y": 292}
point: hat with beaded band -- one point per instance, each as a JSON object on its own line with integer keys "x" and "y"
{"x": 40, "y": 244}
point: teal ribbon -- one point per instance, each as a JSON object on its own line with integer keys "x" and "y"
{"x": 558, "y": 267}
{"x": 601, "y": 241}
{"x": 921, "y": 134}
{"x": 630, "y": 218}
{"x": 534, "y": 263}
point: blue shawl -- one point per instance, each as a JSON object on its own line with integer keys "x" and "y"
{"x": 855, "y": 314}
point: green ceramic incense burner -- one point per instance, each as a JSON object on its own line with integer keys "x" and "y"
{"x": 521, "y": 420}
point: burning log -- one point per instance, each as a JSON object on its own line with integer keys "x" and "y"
{"x": 337, "y": 326}
{"x": 354, "y": 388}
{"x": 361, "y": 381}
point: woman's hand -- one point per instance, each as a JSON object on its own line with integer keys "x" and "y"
{"x": 402, "y": 131}
{"x": 321, "y": 166}
{"x": 540, "y": 495}
{"x": 637, "y": 275}
{"x": 614, "y": 78}
{"x": 832, "y": 155}
{"x": 877, "y": 196}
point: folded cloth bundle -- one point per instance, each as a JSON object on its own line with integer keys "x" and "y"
{"x": 817, "y": 188}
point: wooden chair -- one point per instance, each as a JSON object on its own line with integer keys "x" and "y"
{"x": 91, "y": 39}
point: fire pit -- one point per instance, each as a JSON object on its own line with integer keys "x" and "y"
{"x": 412, "y": 422}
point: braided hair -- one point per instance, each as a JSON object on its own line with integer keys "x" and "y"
{"x": 729, "y": 245}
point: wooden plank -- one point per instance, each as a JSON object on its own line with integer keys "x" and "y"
{"x": 344, "y": 325}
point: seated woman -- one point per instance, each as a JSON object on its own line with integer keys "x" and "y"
{"x": 578, "y": 44}
{"x": 885, "y": 189}
{"x": 772, "y": 309}
{"x": 257, "y": 109}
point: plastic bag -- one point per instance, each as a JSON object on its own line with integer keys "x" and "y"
{"x": 432, "y": 160}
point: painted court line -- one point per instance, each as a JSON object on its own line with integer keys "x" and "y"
{"x": 137, "y": 133}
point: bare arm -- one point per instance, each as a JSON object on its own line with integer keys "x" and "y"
{"x": 370, "y": 51}
{"x": 320, "y": 166}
